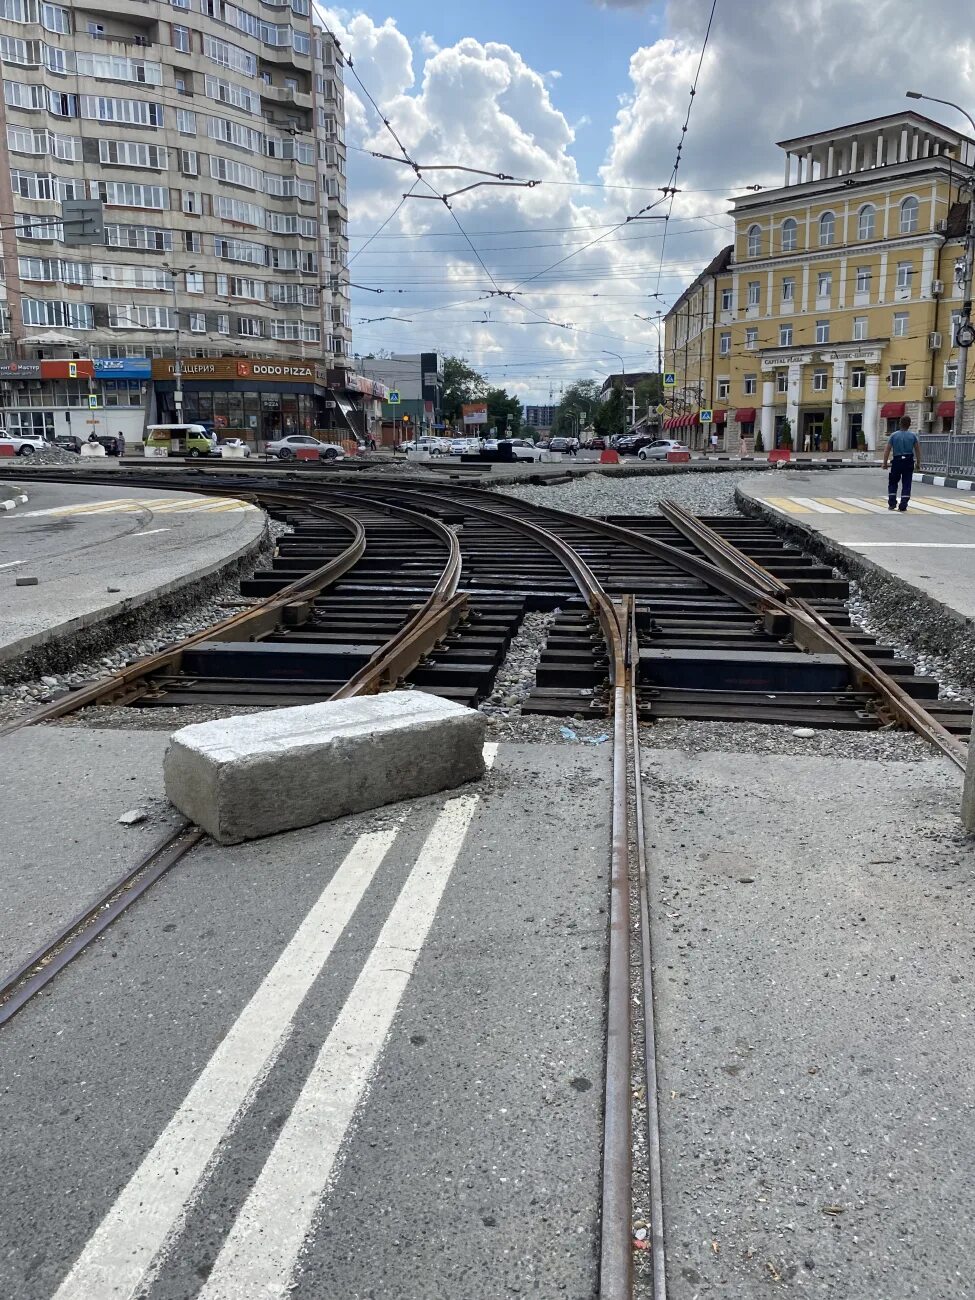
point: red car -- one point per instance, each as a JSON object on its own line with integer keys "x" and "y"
{"x": 594, "y": 444}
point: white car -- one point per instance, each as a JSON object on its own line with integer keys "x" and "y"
{"x": 288, "y": 448}
{"x": 660, "y": 448}
{"x": 239, "y": 443}
{"x": 521, "y": 448}
{"x": 24, "y": 444}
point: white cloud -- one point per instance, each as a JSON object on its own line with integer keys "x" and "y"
{"x": 427, "y": 44}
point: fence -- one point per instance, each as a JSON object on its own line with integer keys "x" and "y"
{"x": 947, "y": 453}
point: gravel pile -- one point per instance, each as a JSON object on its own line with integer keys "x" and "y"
{"x": 885, "y": 619}
{"x": 55, "y": 456}
{"x": 758, "y": 738}
{"x": 516, "y": 676}
{"x": 599, "y": 494}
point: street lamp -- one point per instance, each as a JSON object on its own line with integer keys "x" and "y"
{"x": 623, "y": 388}
{"x": 964, "y": 334}
{"x": 174, "y": 274}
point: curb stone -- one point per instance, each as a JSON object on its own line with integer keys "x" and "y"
{"x": 10, "y": 503}
{"x": 946, "y": 480}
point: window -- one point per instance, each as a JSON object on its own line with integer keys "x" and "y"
{"x": 229, "y": 92}
{"x": 189, "y": 162}
{"x": 144, "y": 237}
{"x": 248, "y": 214}
{"x": 820, "y": 378}
{"x": 788, "y": 290}
{"x": 827, "y": 229}
{"x": 858, "y": 378}
{"x": 751, "y": 339}
{"x": 230, "y": 56}
{"x": 181, "y": 38}
{"x": 822, "y": 331}
{"x": 185, "y": 121}
{"x": 864, "y": 276}
{"x": 124, "y": 194}
{"x": 724, "y": 388}
{"x": 192, "y": 205}
{"x": 240, "y": 250}
{"x": 754, "y": 292}
{"x": 138, "y": 112}
{"x": 867, "y": 222}
{"x": 65, "y": 315}
{"x": 129, "y": 153}
{"x": 900, "y": 325}
{"x": 897, "y": 377}
{"x": 785, "y": 336}
{"x": 249, "y": 327}
{"x": 790, "y": 231}
{"x": 909, "y": 213}
{"x": 824, "y": 284}
{"x": 951, "y": 374}
{"x": 237, "y": 286}
{"x": 724, "y": 345}
{"x": 236, "y": 173}
{"x": 905, "y": 271}
{"x": 235, "y": 133}
{"x": 726, "y": 300}
{"x": 18, "y": 94}
{"x": 137, "y": 316}
{"x": 859, "y": 328}
{"x": 56, "y": 19}
{"x": 223, "y": 324}
{"x": 781, "y": 381}
{"x": 754, "y": 241}
{"x": 751, "y": 385}
{"x": 194, "y": 281}
{"x": 192, "y": 242}
{"x": 198, "y": 322}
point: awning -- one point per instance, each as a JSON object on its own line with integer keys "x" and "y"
{"x": 669, "y": 422}
{"x": 745, "y": 415}
{"x": 690, "y": 420}
{"x": 892, "y": 410}
{"x": 946, "y": 410}
{"x": 719, "y": 417}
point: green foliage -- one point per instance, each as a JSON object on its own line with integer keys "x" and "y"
{"x": 786, "y": 439}
{"x": 759, "y": 443}
{"x": 461, "y": 383}
{"x": 609, "y": 415}
{"x": 826, "y": 437}
{"x": 504, "y": 412}
{"x": 578, "y": 402}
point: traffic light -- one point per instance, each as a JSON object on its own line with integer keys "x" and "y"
{"x": 406, "y": 419}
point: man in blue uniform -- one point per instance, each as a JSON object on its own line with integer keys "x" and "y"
{"x": 902, "y": 453}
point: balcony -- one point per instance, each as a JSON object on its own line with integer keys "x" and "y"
{"x": 286, "y": 97}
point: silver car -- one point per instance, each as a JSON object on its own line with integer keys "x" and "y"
{"x": 288, "y": 448}
{"x": 660, "y": 448}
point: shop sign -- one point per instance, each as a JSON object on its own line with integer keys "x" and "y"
{"x": 123, "y": 368}
{"x": 475, "y": 412}
{"x": 275, "y": 372}
{"x": 67, "y": 370}
{"x": 21, "y": 370}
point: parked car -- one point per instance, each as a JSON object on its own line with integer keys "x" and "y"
{"x": 460, "y": 446}
{"x": 521, "y": 448}
{"x": 660, "y": 447}
{"x": 634, "y": 443}
{"x": 232, "y": 442}
{"x": 24, "y": 444}
{"x": 68, "y": 442}
{"x": 594, "y": 444}
{"x": 112, "y": 444}
{"x": 288, "y": 448}
{"x": 563, "y": 444}
{"x": 180, "y": 439}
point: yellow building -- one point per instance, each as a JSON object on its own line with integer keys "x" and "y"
{"x": 834, "y": 309}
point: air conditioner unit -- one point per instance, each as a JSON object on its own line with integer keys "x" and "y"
{"x": 942, "y": 226}
{"x": 931, "y": 390}
{"x": 934, "y": 340}
{"x": 937, "y": 288}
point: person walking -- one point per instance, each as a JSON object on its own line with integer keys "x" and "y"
{"x": 903, "y": 454}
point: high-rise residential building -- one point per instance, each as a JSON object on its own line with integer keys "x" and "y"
{"x": 834, "y": 312}
{"x": 540, "y": 418}
{"x": 213, "y": 135}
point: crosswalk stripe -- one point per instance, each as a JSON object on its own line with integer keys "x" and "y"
{"x": 839, "y": 504}
{"x": 963, "y": 507}
{"x": 117, "y": 1262}
{"x": 917, "y": 504}
{"x": 816, "y": 505}
{"x": 871, "y": 507}
{"x": 787, "y": 504}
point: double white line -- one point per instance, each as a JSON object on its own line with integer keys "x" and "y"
{"x": 132, "y": 1242}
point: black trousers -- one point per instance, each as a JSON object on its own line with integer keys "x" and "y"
{"x": 902, "y": 472}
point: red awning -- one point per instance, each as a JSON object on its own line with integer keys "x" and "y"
{"x": 688, "y": 421}
{"x": 892, "y": 410}
{"x": 745, "y": 415}
{"x": 669, "y": 422}
{"x": 946, "y": 410}
{"x": 719, "y": 417}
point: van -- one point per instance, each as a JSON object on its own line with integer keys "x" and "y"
{"x": 181, "y": 439}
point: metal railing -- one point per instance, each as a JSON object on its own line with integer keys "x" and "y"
{"x": 948, "y": 453}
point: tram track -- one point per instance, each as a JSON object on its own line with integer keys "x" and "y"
{"x": 447, "y": 562}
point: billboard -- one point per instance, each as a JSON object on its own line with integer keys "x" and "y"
{"x": 475, "y": 412}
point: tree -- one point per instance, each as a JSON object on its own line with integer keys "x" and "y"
{"x": 786, "y": 438}
{"x": 575, "y": 409}
{"x": 504, "y": 412}
{"x": 461, "y": 383}
{"x": 609, "y": 416}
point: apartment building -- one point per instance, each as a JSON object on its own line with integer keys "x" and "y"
{"x": 213, "y": 134}
{"x": 540, "y": 419}
{"x": 833, "y": 312}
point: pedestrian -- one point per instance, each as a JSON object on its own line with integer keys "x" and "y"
{"x": 902, "y": 453}
{"x": 121, "y": 444}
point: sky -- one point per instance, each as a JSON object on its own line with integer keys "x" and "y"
{"x": 537, "y": 286}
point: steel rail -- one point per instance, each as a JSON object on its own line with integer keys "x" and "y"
{"x": 812, "y": 632}
{"x": 722, "y": 552}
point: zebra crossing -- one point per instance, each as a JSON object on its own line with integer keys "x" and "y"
{"x": 947, "y": 507}
{"x": 133, "y": 505}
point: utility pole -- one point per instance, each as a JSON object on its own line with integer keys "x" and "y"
{"x": 178, "y": 363}
{"x": 622, "y": 388}
{"x": 965, "y": 332}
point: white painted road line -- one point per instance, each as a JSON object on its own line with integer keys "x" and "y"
{"x": 870, "y": 506}
{"x": 918, "y": 504}
{"x": 934, "y": 546}
{"x": 260, "y": 1252}
{"x": 812, "y": 504}
{"x": 126, "y": 1248}
{"x": 12, "y": 564}
{"x": 148, "y": 532}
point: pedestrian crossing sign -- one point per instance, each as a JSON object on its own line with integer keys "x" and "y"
{"x": 706, "y": 417}
{"x": 93, "y": 401}
{"x": 393, "y": 398}
{"x": 670, "y": 379}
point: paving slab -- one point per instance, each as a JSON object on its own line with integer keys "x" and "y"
{"x": 60, "y": 842}
{"x": 472, "y": 1163}
{"x": 813, "y": 931}
{"x": 98, "y": 552}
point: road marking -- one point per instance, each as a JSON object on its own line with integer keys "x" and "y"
{"x": 118, "y": 1260}
{"x": 965, "y": 507}
{"x": 871, "y": 507}
{"x": 786, "y": 503}
{"x": 148, "y": 532}
{"x": 839, "y": 504}
{"x": 918, "y": 504}
{"x": 813, "y": 504}
{"x": 259, "y": 1254}
{"x": 12, "y": 564}
{"x": 937, "y": 546}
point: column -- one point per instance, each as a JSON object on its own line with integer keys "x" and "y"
{"x": 768, "y": 414}
{"x": 871, "y": 408}
{"x": 792, "y": 404}
{"x": 837, "y": 412}
{"x": 788, "y": 167}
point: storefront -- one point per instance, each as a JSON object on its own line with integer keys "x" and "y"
{"x": 242, "y": 397}
{"x": 79, "y": 396}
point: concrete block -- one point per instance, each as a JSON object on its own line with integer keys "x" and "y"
{"x": 92, "y": 449}
{"x": 255, "y": 774}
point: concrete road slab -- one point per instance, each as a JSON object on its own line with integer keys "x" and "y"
{"x": 60, "y": 843}
{"x": 813, "y": 930}
{"x": 99, "y": 551}
{"x": 471, "y": 1160}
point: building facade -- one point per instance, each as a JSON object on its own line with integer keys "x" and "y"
{"x": 416, "y": 380}
{"x": 540, "y": 419}
{"x": 213, "y": 135}
{"x": 833, "y": 313}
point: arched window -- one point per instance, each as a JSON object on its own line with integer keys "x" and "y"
{"x": 789, "y": 235}
{"x": 867, "y": 223}
{"x": 754, "y": 241}
{"x": 909, "y": 211}
{"x": 827, "y": 228}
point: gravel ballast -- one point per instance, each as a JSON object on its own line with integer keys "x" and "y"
{"x": 602, "y": 494}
